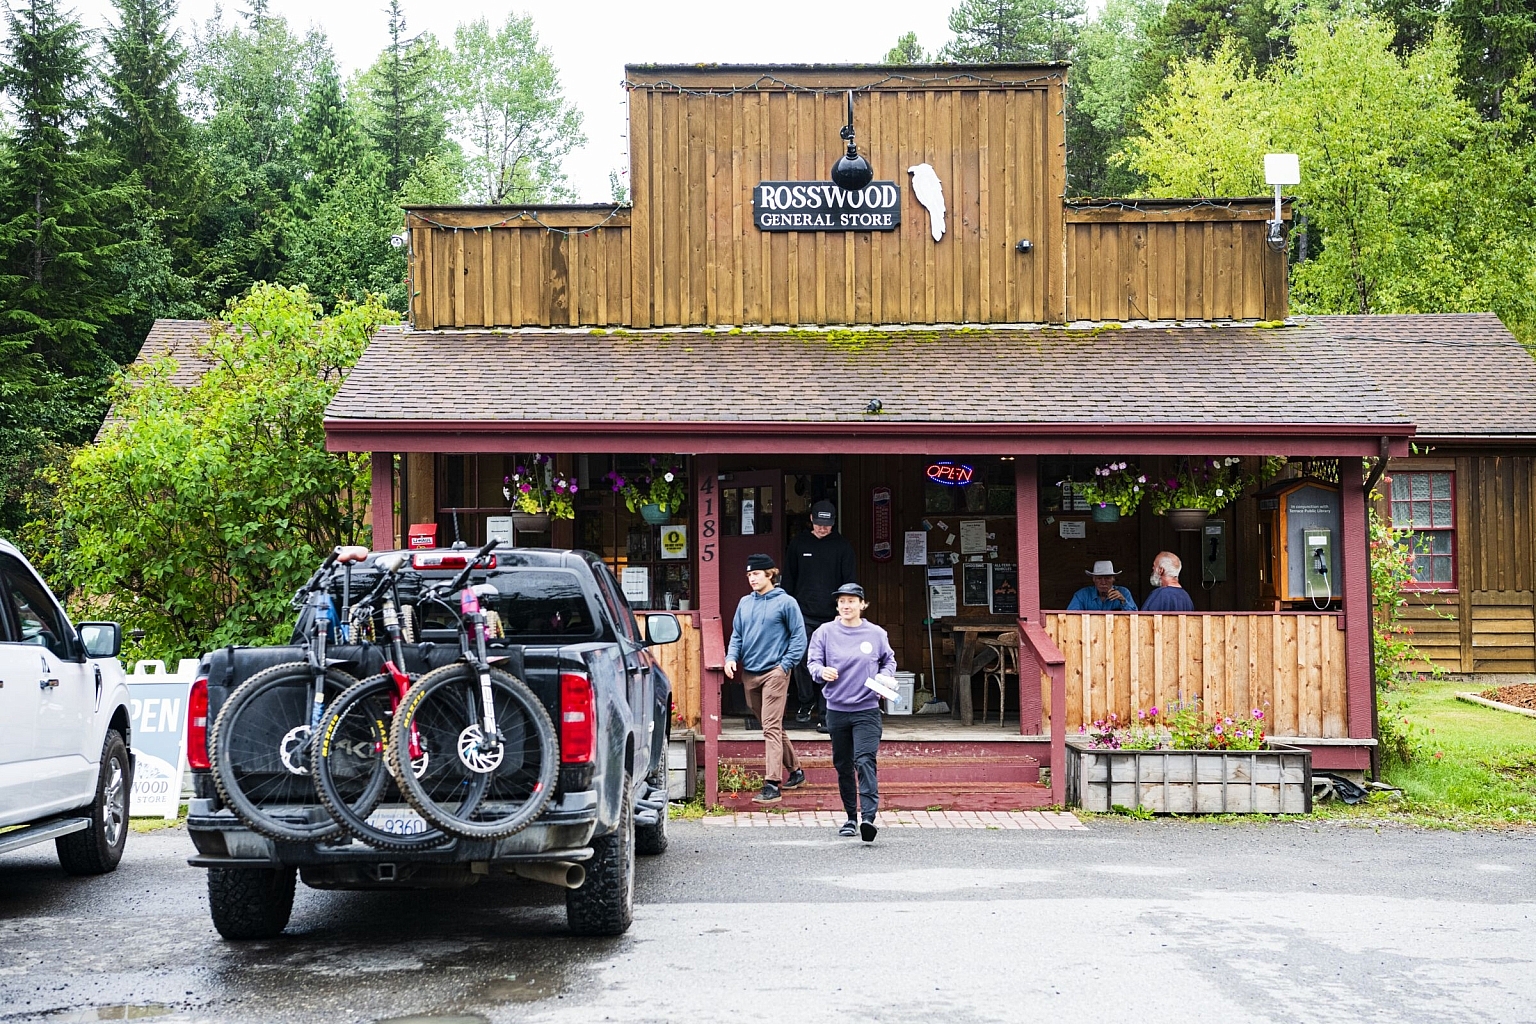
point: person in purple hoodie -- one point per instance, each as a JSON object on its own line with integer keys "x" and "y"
{"x": 844, "y": 654}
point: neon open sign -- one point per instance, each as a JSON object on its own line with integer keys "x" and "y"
{"x": 952, "y": 473}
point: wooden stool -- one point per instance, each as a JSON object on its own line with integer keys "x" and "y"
{"x": 1007, "y": 647}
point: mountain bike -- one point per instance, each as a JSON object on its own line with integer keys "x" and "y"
{"x": 349, "y": 759}
{"x": 499, "y": 751}
{"x": 260, "y": 742}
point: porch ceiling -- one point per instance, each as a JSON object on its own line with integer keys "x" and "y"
{"x": 1288, "y": 390}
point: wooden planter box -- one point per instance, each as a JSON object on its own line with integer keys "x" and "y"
{"x": 1276, "y": 780}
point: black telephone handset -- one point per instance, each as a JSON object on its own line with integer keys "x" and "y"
{"x": 1319, "y": 564}
{"x": 1212, "y": 556}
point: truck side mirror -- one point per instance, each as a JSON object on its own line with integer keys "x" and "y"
{"x": 661, "y": 628}
{"x": 101, "y": 639}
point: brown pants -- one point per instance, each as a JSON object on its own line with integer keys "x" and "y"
{"x": 766, "y": 693}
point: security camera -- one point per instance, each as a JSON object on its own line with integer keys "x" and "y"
{"x": 398, "y": 241}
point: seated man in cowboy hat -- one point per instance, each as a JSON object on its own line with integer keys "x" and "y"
{"x": 1103, "y": 595}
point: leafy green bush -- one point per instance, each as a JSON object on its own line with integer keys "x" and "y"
{"x": 202, "y": 508}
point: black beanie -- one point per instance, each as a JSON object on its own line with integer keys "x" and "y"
{"x": 760, "y": 562}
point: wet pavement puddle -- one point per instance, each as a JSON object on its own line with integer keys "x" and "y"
{"x": 118, "y": 1011}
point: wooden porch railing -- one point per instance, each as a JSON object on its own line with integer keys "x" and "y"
{"x": 1122, "y": 662}
{"x": 1038, "y": 644}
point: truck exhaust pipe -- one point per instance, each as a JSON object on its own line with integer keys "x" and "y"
{"x": 564, "y": 873}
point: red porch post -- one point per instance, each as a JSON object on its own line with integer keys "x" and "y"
{"x": 1026, "y": 501}
{"x": 1356, "y": 569}
{"x": 712, "y": 648}
{"x": 381, "y": 500}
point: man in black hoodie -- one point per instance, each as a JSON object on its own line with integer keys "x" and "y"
{"x": 816, "y": 563}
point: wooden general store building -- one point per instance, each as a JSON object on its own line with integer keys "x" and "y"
{"x": 1032, "y": 340}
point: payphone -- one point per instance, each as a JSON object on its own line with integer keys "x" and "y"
{"x": 1298, "y": 522}
{"x": 1213, "y": 552}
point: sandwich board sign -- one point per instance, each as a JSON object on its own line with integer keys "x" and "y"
{"x": 157, "y": 703}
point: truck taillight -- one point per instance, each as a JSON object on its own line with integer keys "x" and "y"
{"x": 425, "y": 560}
{"x": 197, "y": 725}
{"x": 578, "y": 724}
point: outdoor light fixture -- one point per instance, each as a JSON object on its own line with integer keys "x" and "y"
{"x": 851, "y": 172}
{"x": 1279, "y": 169}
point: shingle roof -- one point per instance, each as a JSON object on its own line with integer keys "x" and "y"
{"x": 183, "y": 340}
{"x": 1197, "y": 375}
{"x": 1457, "y": 375}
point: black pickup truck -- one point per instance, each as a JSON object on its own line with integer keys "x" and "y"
{"x": 562, "y": 619}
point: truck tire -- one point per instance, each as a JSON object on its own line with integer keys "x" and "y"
{"x": 605, "y": 903}
{"x": 98, "y": 849}
{"x": 251, "y": 903}
{"x": 651, "y": 840}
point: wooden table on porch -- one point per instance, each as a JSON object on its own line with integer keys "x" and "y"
{"x": 968, "y": 656}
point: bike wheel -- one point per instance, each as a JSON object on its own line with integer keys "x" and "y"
{"x": 353, "y": 777}
{"x": 259, "y": 749}
{"x": 519, "y": 776}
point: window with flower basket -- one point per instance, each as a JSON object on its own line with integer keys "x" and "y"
{"x": 1423, "y": 504}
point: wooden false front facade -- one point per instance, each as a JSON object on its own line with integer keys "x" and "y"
{"x": 686, "y": 252}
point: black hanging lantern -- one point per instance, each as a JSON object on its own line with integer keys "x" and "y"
{"x": 851, "y": 172}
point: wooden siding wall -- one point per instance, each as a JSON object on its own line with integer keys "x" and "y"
{"x": 1488, "y": 623}
{"x": 681, "y": 661}
{"x": 1164, "y": 261}
{"x": 499, "y": 268}
{"x": 998, "y": 151}
{"x": 1234, "y": 662}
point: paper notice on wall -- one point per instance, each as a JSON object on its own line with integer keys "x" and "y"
{"x": 941, "y": 601}
{"x": 973, "y": 536}
{"x": 1073, "y": 529}
{"x": 748, "y": 517}
{"x": 636, "y": 582}
{"x": 499, "y": 528}
{"x": 915, "y": 551}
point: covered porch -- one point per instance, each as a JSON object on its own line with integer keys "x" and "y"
{"x": 1311, "y": 666}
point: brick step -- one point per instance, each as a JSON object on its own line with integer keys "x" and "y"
{"x": 946, "y": 770}
{"x": 909, "y": 796}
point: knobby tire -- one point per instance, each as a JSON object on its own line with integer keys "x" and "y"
{"x": 245, "y": 746}
{"x": 443, "y": 704}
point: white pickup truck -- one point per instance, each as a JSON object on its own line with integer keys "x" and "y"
{"x": 65, "y": 765}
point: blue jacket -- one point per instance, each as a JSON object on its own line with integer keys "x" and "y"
{"x": 1088, "y": 600}
{"x": 768, "y": 630}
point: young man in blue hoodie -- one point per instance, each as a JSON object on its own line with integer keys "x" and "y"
{"x": 767, "y": 642}
{"x": 844, "y": 654}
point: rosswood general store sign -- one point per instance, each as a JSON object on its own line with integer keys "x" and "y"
{"x": 822, "y": 206}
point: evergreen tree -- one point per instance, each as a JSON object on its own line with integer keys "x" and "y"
{"x": 998, "y": 31}
{"x": 402, "y": 102}
{"x": 327, "y": 140}
{"x": 143, "y": 120}
{"x": 1107, "y": 86}
{"x": 906, "y": 51}
{"x": 56, "y": 294}
{"x": 59, "y": 290}
{"x": 1255, "y": 29}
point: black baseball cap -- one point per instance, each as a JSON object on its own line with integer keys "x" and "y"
{"x": 823, "y": 513}
{"x": 849, "y": 588}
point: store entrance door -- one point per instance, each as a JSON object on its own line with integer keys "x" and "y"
{"x": 751, "y": 521}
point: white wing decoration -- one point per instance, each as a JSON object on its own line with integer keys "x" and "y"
{"x": 930, "y": 192}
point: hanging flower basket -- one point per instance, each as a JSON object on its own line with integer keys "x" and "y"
{"x": 654, "y": 514}
{"x": 1187, "y": 520}
{"x": 530, "y": 522}
{"x": 1106, "y": 514}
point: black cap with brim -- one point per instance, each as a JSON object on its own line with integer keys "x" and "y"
{"x": 823, "y": 513}
{"x": 849, "y": 588}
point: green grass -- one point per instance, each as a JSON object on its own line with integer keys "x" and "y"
{"x": 1471, "y": 765}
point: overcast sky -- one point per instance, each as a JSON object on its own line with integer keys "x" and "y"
{"x": 592, "y": 40}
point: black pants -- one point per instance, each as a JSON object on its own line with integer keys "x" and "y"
{"x": 807, "y": 693}
{"x": 855, "y": 744}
